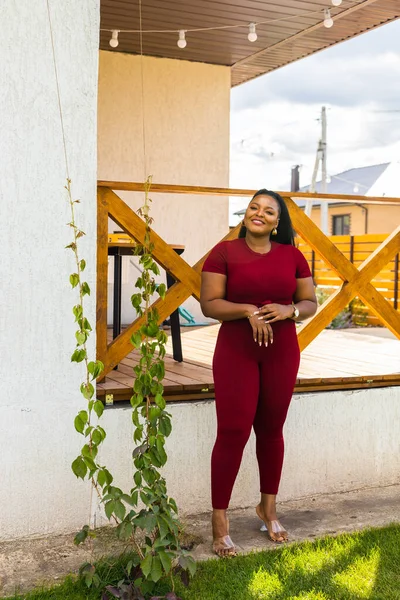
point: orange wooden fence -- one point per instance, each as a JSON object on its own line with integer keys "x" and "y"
{"x": 357, "y": 248}
{"x": 354, "y": 277}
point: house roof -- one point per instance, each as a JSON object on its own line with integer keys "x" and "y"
{"x": 291, "y": 29}
{"x": 356, "y": 182}
{"x": 353, "y": 182}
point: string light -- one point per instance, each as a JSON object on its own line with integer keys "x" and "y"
{"x": 252, "y": 35}
{"x": 182, "y": 43}
{"x": 328, "y": 21}
{"x": 114, "y": 38}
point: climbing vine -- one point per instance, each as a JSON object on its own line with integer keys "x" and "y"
{"x": 146, "y": 517}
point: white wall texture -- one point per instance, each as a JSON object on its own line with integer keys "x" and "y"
{"x": 39, "y": 392}
{"x": 335, "y": 441}
{"x": 186, "y": 130}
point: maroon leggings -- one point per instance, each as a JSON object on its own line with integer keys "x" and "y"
{"x": 253, "y": 388}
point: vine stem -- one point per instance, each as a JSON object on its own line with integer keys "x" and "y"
{"x": 79, "y": 271}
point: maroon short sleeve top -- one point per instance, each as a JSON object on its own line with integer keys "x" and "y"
{"x": 254, "y": 278}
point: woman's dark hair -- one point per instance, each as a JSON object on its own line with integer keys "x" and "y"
{"x": 285, "y": 233}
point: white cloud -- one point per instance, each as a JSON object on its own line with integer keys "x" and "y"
{"x": 274, "y": 119}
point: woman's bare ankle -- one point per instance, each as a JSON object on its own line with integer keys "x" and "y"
{"x": 219, "y": 523}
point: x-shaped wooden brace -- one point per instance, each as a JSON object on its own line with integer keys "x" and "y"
{"x": 356, "y": 281}
{"x": 188, "y": 278}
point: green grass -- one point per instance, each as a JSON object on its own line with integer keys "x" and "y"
{"x": 363, "y": 565}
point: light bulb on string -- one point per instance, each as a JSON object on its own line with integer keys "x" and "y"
{"x": 182, "y": 39}
{"x": 336, "y": 2}
{"x": 252, "y": 35}
{"x": 114, "y": 38}
{"x": 328, "y": 21}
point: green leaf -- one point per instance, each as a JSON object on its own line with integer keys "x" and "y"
{"x": 146, "y": 565}
{"x": 81, "y": 535}
{"x": 119, "y": 509}
{"x": 78, "y": 311}
{"x": 101, "y": 478}
{"x": 165, "y": 561}
{"x": 136, "y": 339}
{"x": 78, "y": 355}
{"x": 136, "y": 400}
{"x": 163, "y": 527}
{"x": 160, "y": 401}
{"x": 124, "y": 530}
{"x": 79, "y": 468}
{"x": 87, "y": 390}
{"x": 98, "y": 408}
{"x": 79, "y": 424}
{"x": 138, "y": 434}
{"x": 95, "y": 368}
{"x": 138, "y": 478}
{"x": 82, "y": 265}
{"x": 165, "y": 425}
{"x": 81, "y": 337}
{"x": 150, "y": 522}
{"x": 191, "y": 565}
{"x": 97, "y": 438}
{"x": 85, "y": 288}
{"x": 155, "y": 269}
{"x": 156, "y": 569}
{"x": 154, "y": 413}
{"x": 74, "y": 279}
{"x": 109, "y": 508}
{"x": 162, "y": 289}
{"x": 136, "y": 300}
{"x": 86, "y": 325}
{"x": 91, "y": 465}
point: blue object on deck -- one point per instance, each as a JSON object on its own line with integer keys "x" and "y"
{"x": 185, "y": 314}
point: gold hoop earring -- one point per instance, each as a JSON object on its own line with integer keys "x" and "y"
{"x": 274, "y": 231}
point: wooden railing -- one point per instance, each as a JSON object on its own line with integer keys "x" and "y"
{"x": 357, "y": 248}
{"x": 355, "y": 281}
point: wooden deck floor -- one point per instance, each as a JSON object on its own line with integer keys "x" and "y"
{"x": 334, "y": 360}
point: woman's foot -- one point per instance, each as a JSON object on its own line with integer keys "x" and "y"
{"x": 222, "y": 543}
{"x": 276, "y": 532}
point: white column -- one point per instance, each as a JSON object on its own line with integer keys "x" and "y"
{"x": 39, "y": 392}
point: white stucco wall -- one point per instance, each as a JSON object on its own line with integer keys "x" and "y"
{"x": 186, "y": 124}
{"x": 335, "y": 442}
{"x": 39, "y": 391}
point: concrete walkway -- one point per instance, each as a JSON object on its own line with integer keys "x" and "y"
{"x": 25, "y": 564}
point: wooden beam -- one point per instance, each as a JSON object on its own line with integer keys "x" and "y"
{"x": 122, "y": 345}
{"x": 176, "y": 295}
{"x": 162, "y": 252}
{"x": 358, "y": 284}
{"x": 162, "y": 188}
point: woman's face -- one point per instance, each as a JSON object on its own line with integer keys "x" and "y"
{"x": 262, "y": 215}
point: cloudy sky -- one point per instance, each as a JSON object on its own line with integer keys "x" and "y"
{"x": 275, "y": 119}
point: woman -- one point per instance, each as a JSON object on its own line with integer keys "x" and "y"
{"x": 258, "y": 286}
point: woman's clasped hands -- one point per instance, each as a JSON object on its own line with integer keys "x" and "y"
{"x": 261, "y": 319}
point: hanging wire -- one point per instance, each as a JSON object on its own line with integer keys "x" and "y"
{"x": 91, "y": 516}
{"x": 142, "y": 85}
{"x": 58, "y": 90}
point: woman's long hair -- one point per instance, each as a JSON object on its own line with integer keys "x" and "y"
{"x": 285, "y": 233}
